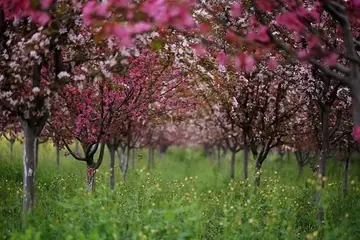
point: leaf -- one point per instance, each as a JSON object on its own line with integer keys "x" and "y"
{"x": 157, "y": 44}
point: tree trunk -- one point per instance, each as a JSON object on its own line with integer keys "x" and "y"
{"x": 11, "y": 145}
{"x": 29, "y": 158}
{"x": 133, "y": 157}
{"x": 151, "y": 163}
{"x": 300, "y": 171}
{"x": 232, "y": 165}
{"x": 149, "y": 159}
{"x": 322, "y": 159}
{"x": 112, "y": 167}
{"x": 90, "y": 176}
{"x": 246, "y": 158}
{"x": 36, "y": 153}
{"x": 282, "y": 154}
{"x": 219, "y": 157}
{"x": 346, "y": 174}
{"x": 162, "y": 150}
{"x": 153, "y": 157}
{"x": 257, "y": 173}
{"x": 126, "y": 154}
{"x": 259, "y": 161}
{"x": 76, "y": 147}
{"x": 57, "y": 157}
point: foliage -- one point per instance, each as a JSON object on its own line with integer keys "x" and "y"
{"x": 185, "y": 197}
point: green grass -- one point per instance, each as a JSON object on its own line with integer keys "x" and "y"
{"x": 186, "y": 196}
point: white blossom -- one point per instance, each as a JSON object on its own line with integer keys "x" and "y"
{"x": 63, "y": 74}
{"x": 35, "y": 90}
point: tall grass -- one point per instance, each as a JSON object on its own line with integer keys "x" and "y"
{"x": 186, "y": 196}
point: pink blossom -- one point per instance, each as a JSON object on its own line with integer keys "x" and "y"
{"x": 230, "y": 35}
{"x": 243, "y": 61}
{"x": 265, "y": 5}
{"x": 356, "y": 133}
{"x": 302, "y": 54}
{"x": 249, "y": 63}
{"x": 272, "y": 63}
{"x": 204, "y": 27}
{"x": 236, "y": 10}
{"x": 46, "y": 3}
{"x": 88, "y": 12}
{"x": 141, "y": 27}
{"x": 119, "y": 3}
{"x": 41, "y": 18}
{"x": 290, "y": 21}
{"x": 93, "y": 10}
{"x": 261, "y": 35}
{"x": 313, "y": 41}
{"x": 123, "y": 35}
{"x": 221, "y": 58}
{"x": 199, "y": 49}
{"x": 331, "y": 59}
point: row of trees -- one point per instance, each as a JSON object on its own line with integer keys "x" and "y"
{"x": 113, "y": 73}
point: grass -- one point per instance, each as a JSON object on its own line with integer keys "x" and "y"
{"x": 185, "y": 196}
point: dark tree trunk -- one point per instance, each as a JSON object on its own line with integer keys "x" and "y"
{"x": 346, "y": 173}
{"x": 219, "y": 157}
{"x": 281, "y": 154}
{"x": 232, "y": 164}
{"x": 29, "y": 158}
{"x": 126, "y": 163}
{"x": 259, "y": 161}
{"x": 57, "y": 157}
{"x": 246, "y": 157}
{"x": 37, "y": 153}
{"x": 300, "y": 171}
{"x": 112, "y": 166}
{"x": 257, "y": 173}
{"x": 11, "y": 145}
{"x": 149, "y": 158}
{"x": 151, "y": 162}
{"x": 322, "y": 159}
{"x": 153, "y": 157}
{"x": 162, "y": 150}
{"x": 90, "y": 176}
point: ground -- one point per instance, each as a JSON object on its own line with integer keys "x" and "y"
{"x": 186, "y": 196}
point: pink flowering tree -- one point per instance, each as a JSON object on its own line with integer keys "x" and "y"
{"x": 38, "y": 56}
{"x": 300, "y": 31}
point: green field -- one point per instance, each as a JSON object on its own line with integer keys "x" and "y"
{"x": 186, "y": 196}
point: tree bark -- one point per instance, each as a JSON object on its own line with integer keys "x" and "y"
{"x": 346, "y": 174}
{"x": 259, "y": 161}
{"x": 57, "y": 157}
{"x": 124, "y": 162}
{"x": 153, "y": 157}
{"x": 126, "y": 154}
{"x": 151, "y": 162}
{"x": 90, "y": 176}
{"x": 112, "y": 167}
{"x": 36, "y": 153}
{"x": 322, "y": 159}
{"x": 246, "y": 157}
{"x": 257, "y": 173}
{"x": 300, "y": 171}
{"x": 133, "y": 157}
{"x": 11, "y": 145}
{"x": 218, "y": 156}
{"x": 76, "y": 146}
{"x": 29, "y": 158}
{"x": 232, "y": 165}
